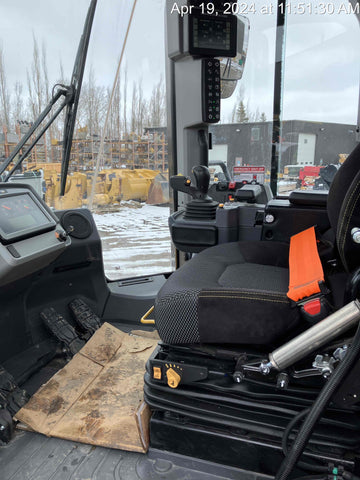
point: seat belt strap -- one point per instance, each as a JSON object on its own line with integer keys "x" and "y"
{"x": 306, "y": 271}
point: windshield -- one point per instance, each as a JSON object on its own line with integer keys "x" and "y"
{"x": 120, "y": 168}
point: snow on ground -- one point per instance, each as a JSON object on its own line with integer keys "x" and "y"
{"x": 135, "y": 240}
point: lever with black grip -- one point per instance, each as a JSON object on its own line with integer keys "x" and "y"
{"x": 201, "y": 173}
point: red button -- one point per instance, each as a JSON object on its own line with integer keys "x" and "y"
{"x": 232, "y": 185}
{"x": 313, "y": 307}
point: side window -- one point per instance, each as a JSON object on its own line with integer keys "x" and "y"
{"x": 243, "y": 138}
{"x": 35, "y": 53}
{"x": 320, "y": 96}
{"x": 127, "y": 159}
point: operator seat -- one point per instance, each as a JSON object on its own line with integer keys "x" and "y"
{"x": 235, "y": 293}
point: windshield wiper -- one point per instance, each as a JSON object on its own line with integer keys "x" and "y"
{"x": 63, "y": 91}
{"x": 75, "y": 86}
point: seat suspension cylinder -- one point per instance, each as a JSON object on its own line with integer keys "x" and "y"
{"x": 315, "y": 337}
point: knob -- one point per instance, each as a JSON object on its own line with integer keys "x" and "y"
{"x": 355, "y": 234}
{"x": 173, "y": 378}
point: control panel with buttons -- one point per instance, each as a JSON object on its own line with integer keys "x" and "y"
{"x": 211, "y": 90}
{"x": 172, "y": 374}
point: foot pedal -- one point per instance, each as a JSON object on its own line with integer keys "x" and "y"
{"x": 12, "y": 397}
{"x": 62, "y": 330}
{"x": 84, "y": 316}
{"x": 7, "y": 382}
{"x": 6, "y": 427}
{"x": 16, "y": 400}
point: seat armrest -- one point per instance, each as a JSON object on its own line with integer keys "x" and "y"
{"x": 248, "y": 193}
{"x": 315, "y": 198}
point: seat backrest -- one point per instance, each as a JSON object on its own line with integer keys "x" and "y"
{"x": 344, "y": 209}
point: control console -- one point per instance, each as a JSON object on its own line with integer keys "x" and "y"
{"x": 205, "y": 222}
{"x": 31, "y": 236}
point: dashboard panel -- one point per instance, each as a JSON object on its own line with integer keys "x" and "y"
{"x": 31, "y": 236}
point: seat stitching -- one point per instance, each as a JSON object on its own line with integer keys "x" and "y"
{"x": 244, "y": 298}
{"x": 347, "y": 205}
{"x": 349, "y": 219}
{"x": 345, "y": 213}
{"x": 274, "y": 294}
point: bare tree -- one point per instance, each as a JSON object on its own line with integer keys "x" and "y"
{"x": 125, "y": 103}
{"x": 62, "y": 75}
{"x": 93, "y": 104}
{"x": 58, "y": 124}
{"x": 18, "y": 111}
{"x": 157, "y": 105}
{"x": 254, "y": 117}
{"x": 114, "y": 127}
{"x": 4, "y": 93}
{"x": 141, "y": 108}
{"x": 45, "y": 73}
{"x": 134, "y": 101}
{"x": 35, "y": 82}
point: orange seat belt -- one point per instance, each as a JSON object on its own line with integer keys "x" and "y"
{"x": 305, "y": 266}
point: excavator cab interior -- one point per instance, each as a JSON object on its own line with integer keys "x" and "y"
{"x": 256, "y": 374}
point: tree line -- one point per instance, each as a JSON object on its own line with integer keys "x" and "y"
{"x": 242, "y": 113}
{"x": 130, "y": 111}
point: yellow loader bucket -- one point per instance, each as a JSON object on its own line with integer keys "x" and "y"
{"x": 159, "y": 191}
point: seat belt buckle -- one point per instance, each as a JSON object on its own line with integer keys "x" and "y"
{"x": 314, "y": 308}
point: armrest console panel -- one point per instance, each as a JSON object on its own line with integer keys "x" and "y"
{"x": 283, "y": 219}
{"x": 316, "y": 198}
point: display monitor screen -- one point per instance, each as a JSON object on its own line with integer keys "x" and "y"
{"x": 19, "y": 214}
{"x": 212, "y": 35}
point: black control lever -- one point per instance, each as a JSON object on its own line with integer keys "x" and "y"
{"x": 202, "y": 179}
{"x": 201, "y": 173}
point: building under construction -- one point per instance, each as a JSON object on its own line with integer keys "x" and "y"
{"x": 132, "y": 151}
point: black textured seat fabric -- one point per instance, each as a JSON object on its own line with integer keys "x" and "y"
{"x": 231, "y": 293}
{"x": 235, "y": 293}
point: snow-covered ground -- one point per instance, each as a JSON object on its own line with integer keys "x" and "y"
{"x": 135, "y": 240}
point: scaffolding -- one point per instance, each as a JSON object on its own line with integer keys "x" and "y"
{"x": 147, "y": 151}
{"x": 133, "y": 152}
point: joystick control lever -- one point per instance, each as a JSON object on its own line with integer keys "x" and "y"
{"x": 201, "y": 173}
{"x": 202, "y": 179}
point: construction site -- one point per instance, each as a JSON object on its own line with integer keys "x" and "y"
{"x": 135, "y": 167}
{"x": 130, "y": 168}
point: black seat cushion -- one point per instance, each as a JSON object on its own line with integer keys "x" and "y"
{"x": 251, "y": 281}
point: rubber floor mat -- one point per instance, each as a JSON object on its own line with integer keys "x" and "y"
{"x": 97, "y": 398}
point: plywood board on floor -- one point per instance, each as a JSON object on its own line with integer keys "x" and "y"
{"x": 97, "y": 398}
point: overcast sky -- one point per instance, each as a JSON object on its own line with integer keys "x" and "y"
{"x": 59, "y": 25}
{"x": 322, "y": 65}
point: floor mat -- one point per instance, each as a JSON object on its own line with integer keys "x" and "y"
{"x": 97, "y": 398}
